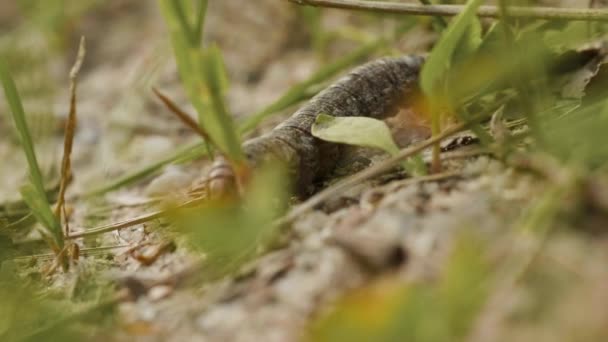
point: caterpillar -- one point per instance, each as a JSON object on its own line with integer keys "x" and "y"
{"x": 375, "y": 89}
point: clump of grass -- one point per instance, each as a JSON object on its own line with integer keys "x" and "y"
{"x": 30, "y": 312}
{"x": 202, "y": 74}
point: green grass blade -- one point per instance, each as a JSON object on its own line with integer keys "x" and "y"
{"x": 440, "y": 58}
{"x": 435, "y": 71}
{"x": 469, "y": 43}
{"x": 177, "y": 9}
{"x": 200, "y": 20}
{"x": 202, "y": 75}
{"x": 311, "y": 16}
{"x": 182, "y": 49}
{"x": 216, "y": 81}
{"x": 14, "y": 101}
{"x": 43, "y": 213}
{"x": 33, "y": 193}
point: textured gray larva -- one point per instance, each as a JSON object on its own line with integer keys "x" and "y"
{"x": 373, "y": 89}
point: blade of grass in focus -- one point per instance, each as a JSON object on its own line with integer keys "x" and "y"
{"x": 216, "y": 82}
{"x": 33, "y": 193}
{"x": 41, "y": 209}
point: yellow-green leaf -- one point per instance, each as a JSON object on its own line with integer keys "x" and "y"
{"x": 440, "y": 59}
{"x": 365, "y": 132}
{"x": 359, "y": 131}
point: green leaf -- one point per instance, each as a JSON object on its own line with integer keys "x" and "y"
{"x": 440, "y": 59}
{"x": 362, "y": 131}
{"x": 359, "y": 131}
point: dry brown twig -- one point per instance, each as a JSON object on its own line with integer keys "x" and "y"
{"x": 131, "y": 222}
{"x": 547, "y": 13}
{"x": 183, "y": 116}
{"x": 84, "y": 252}
{"x": 118, "y": 225}
{"x": 70, "y": 128}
